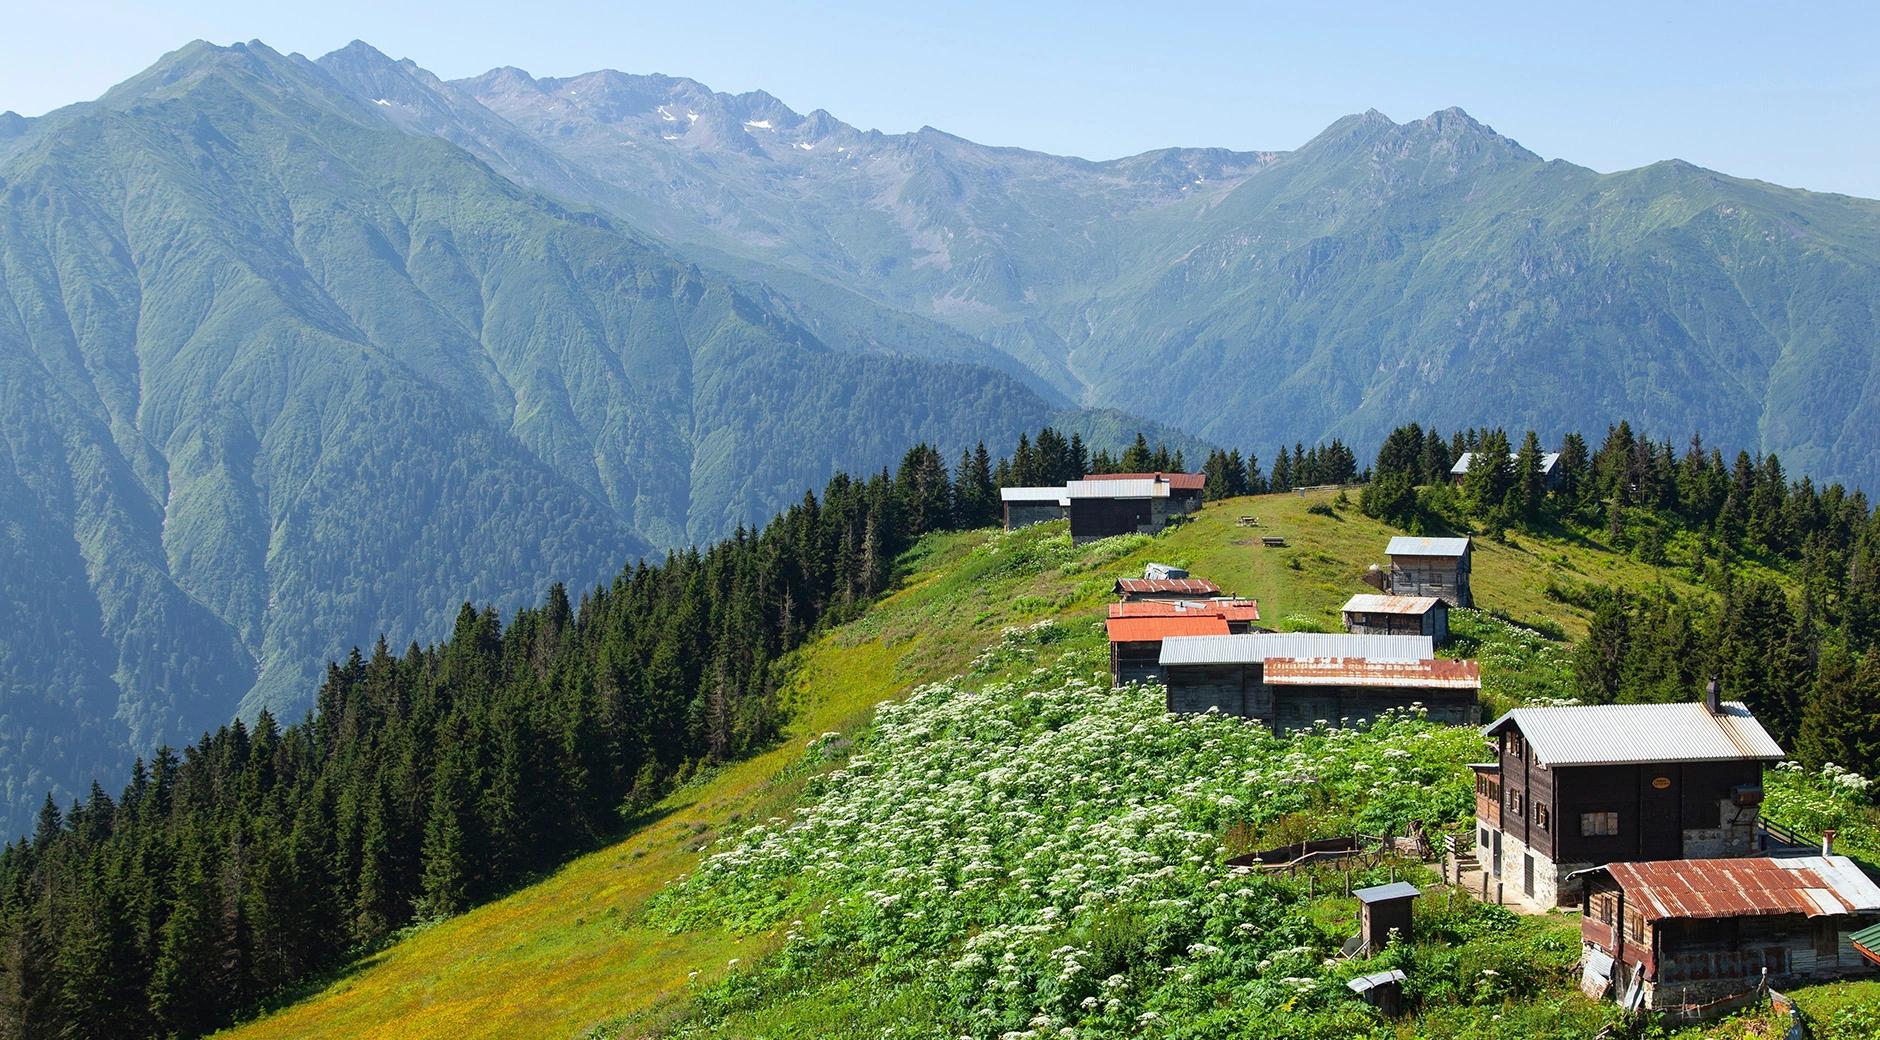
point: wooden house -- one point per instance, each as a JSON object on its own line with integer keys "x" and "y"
{"x": 1550, "y": 468}
{"x": 1698, "y": 938}
{"x": 1186, "y": 491}
{"x": 1173, "y": 589}
{"x": 1107, "y": 505}
{"x": 1137, "y": 628}
{"x": 1437, "y": 567}
{"x": 1574, "y": 787}
{"x": 1297, "y": 680}
{"x": 1368, "y": 614}
{"x": 1025, "y": 506}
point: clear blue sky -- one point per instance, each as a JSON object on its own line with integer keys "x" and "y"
{"x": 1750, "y": 89}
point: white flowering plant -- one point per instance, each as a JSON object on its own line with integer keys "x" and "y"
{"x": 1043, "y": 857}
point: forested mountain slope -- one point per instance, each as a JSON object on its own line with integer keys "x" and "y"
{"x": 278, "y": 376}
{"x": 1378, "y": 272}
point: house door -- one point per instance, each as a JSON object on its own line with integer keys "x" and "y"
{"x": 1497, "y": 853}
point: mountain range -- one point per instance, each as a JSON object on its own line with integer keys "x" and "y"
{"x": 296, "y": 352}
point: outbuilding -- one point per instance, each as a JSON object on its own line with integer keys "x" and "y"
{"x": 1383, "y": 909}
{"x": 1437, "y": 567}
{"x": 1698, "y": 938}
{"x": 1368, "y": 614}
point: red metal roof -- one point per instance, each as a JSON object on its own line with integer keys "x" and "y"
{"x": 1226, "y": 609}
{"x": 1685, "y": 889}
{"x": 1176, "y": 481}
{"x": 1179, "y": 586}
{"x": 1436, "y": 673}
{"x": 1156, "y": 629}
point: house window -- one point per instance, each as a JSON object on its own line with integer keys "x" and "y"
{"x": 1540, "y": 816}
{"x": 1515, "y": 804}
{"x": 1514, "y": 744}
{"x": 1635, "y": 925}
{"x": 1599, "y": 824}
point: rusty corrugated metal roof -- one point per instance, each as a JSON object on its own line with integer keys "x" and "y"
{"x": 1691, "y": 889}
{"x": 1156, "y": 629}
{"x": 1179, "y": 586}
{"x": 1177, "y": 481}
{"x": 1229, "y": 609}
{"x": 1261, "y": 647}
{"x": 1435, "y": 674}
{"x": 1371, "y": 603}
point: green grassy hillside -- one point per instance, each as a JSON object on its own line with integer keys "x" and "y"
{"x": 614, "y": 944}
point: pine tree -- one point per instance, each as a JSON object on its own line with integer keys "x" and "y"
{"x": 1137, "y": 458}
{"x": 1527, "y": 477}
{"x": 1820, "y": 738}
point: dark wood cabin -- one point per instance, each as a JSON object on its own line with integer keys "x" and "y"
{"x": 1437, "y": 567}
{"x": 1697, "y": 938}
{"x": 1137, "y": 627}
{"x": 1297, "y": 680}
{"x": 1136, "y": 643}
{"x": 1107, "y": 505}
{"x": 1025, "y": 506}
{"x": 1584, "y": 785}
{"x": 1373, "y": 615}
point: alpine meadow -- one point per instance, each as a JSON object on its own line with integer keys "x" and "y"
{"x": 600, "y": 557}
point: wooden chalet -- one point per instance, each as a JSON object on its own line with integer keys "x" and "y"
{"x": 1137, "y": 628}
{"x": 1574, "y": 787}
{"x": 1368, "y": 614}
{"x": 1025, "y": 506}
{"x": 1108, "y": 505}
{"x": 1294, "y": 681}
{"x": 1437, "y": 567}
{"x": 1698, "y": 938}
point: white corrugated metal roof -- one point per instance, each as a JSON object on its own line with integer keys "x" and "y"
{"x": 1372, "y": 603}
{"x": 1548, "y": 459}
{"x": 1117, "y": 489}
{"x": 1622, "y": 734}
{"x": 1405, "y": 545}
{"x": 1031, "y": 494}
{"x": 1258, "y": 647}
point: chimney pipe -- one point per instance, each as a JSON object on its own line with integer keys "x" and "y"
{"x": 1713, "y": 700}
{"x": 1827, "y": 843}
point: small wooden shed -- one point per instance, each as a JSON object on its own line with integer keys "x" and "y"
{"x": 1383, "y": 909}
{"x": 1367, "y": 614}
{"x": 1382, "y": 990}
